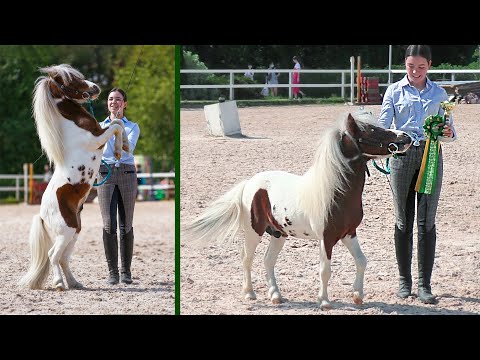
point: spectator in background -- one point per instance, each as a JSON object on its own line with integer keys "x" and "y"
{"x": 47, "y": 173}
{"x": 140, "y": 181}
{"x": 296, "y": 78}
{"x": 272, "y": 78}
{"x": 249, "y": 74}
{"x": 169, "y": 193}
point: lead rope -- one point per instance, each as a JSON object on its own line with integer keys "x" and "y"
{"x": 89, "y": 102}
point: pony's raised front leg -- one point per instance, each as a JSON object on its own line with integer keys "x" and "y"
{"x": 125, "y": 143}
{"x": 360, "y": 262}
{"x": 248, "y": 252}
{"x": 65, "y": 264}
{"x": 119, "y": 139}
{"x": 325, "y": 272}
{"x": 56, "y": 252}
{"x": 270, "y": 259}
{"x": 113, "y": 129}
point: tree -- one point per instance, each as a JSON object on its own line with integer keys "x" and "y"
{"x": 151, "y": 98}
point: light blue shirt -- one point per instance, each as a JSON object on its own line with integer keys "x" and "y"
{"x": 133, "y": 132}
{"x": 407, "y": 108}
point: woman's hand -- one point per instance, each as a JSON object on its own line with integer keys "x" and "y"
{"x": 447, "y": 131}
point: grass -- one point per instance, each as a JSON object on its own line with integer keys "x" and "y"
{"x": 267, "y": 101}
{"x": 8, "y": 200}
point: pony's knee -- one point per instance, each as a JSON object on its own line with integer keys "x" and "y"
{"x": 325, "y": 272}
{"x": 362, "y": 262}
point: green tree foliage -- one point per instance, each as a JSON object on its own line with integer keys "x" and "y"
{"x": 319, "y": 56}
{"x": 151, "y": 98}
{"x": 192, "y": 61}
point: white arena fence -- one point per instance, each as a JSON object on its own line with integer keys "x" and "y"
{"x": 347, "y": 79}
{"x": 22, "y": 183}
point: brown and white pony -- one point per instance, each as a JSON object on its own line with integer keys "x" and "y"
{"x": 324, "y": 204}
{"x": 73, "y": 140}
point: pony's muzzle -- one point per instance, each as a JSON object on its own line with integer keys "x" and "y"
{"x": 403, "y": 143}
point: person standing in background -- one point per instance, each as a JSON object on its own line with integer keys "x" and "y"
{"x": 47, "y": 175}
{"x": 249, "y": 74}
{"x": 296, "y": 77}
{"x": 272, "y": 78}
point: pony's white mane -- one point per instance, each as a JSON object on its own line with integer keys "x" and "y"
{"x": 329, "y": 172}
{"x": 65, "y": 71}
{"x": 46, "y": 114}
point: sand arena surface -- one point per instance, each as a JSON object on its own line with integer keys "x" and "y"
{"x": 285, "y": 138}
{"x": 153, "y": 287}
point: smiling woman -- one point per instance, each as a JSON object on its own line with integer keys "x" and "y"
{"x": 119, "y": 192}
{"x": 407, "y": 104}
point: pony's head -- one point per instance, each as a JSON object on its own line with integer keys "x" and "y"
{"x": 65, "y": 81}
{"x": 66, "y": 87}
{"x": 355, "y": 138}
{"x": 361, "y": 136}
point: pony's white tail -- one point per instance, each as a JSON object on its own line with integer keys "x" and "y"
{"x": 220, "y": 222}
{"x": 40, "y": 243}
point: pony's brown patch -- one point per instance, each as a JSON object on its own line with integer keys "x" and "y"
{"x": 347, "y": 215}
{"x": 81, "y": 117}
{"x": 261, "y": 214}
{"x": 70, "y": 200}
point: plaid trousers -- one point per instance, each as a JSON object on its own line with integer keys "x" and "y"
{"x": 404, "y": 172}
{"x": 125, "y": 178}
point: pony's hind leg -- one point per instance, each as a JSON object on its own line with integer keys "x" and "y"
{"x": 360, "y": 262}
{"x": 247, "y": 254}
{"x": 325, "y": 272}
{"x": 274, "y": 248}
{"x": 65, "y": 264}
{"x": 56, "y": 252}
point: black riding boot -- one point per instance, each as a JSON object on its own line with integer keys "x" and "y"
{"x": 426, "y": 256}
{"x": 126, "y": 253}
{"x": 403, "y": 251}
{"x": 110, "y": 244}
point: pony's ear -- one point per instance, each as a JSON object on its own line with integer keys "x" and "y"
{"x": 351, "y": 124}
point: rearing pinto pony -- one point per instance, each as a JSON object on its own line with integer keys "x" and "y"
{"x": 73, "y": 140}
{"x": 325, "y": 204}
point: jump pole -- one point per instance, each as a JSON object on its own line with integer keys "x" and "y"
{"x": 30, "y": 168}
{"x": 359, "y": 76}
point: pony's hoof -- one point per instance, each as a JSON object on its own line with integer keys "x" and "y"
{"x": 60, "y": 288}
{"x": 325, "y": 305}
{"x": 76, "y": 286}
{"x": 118, "y": 155}
{"x": 126, "y": 148}
{"x": 250, "y": 296}
{"x": 277, "y": 299}
{"x": 357, "y": 298}
{"x": 275, "y": 296}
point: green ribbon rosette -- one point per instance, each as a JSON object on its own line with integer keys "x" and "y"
{"x": 428, "y": 171}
